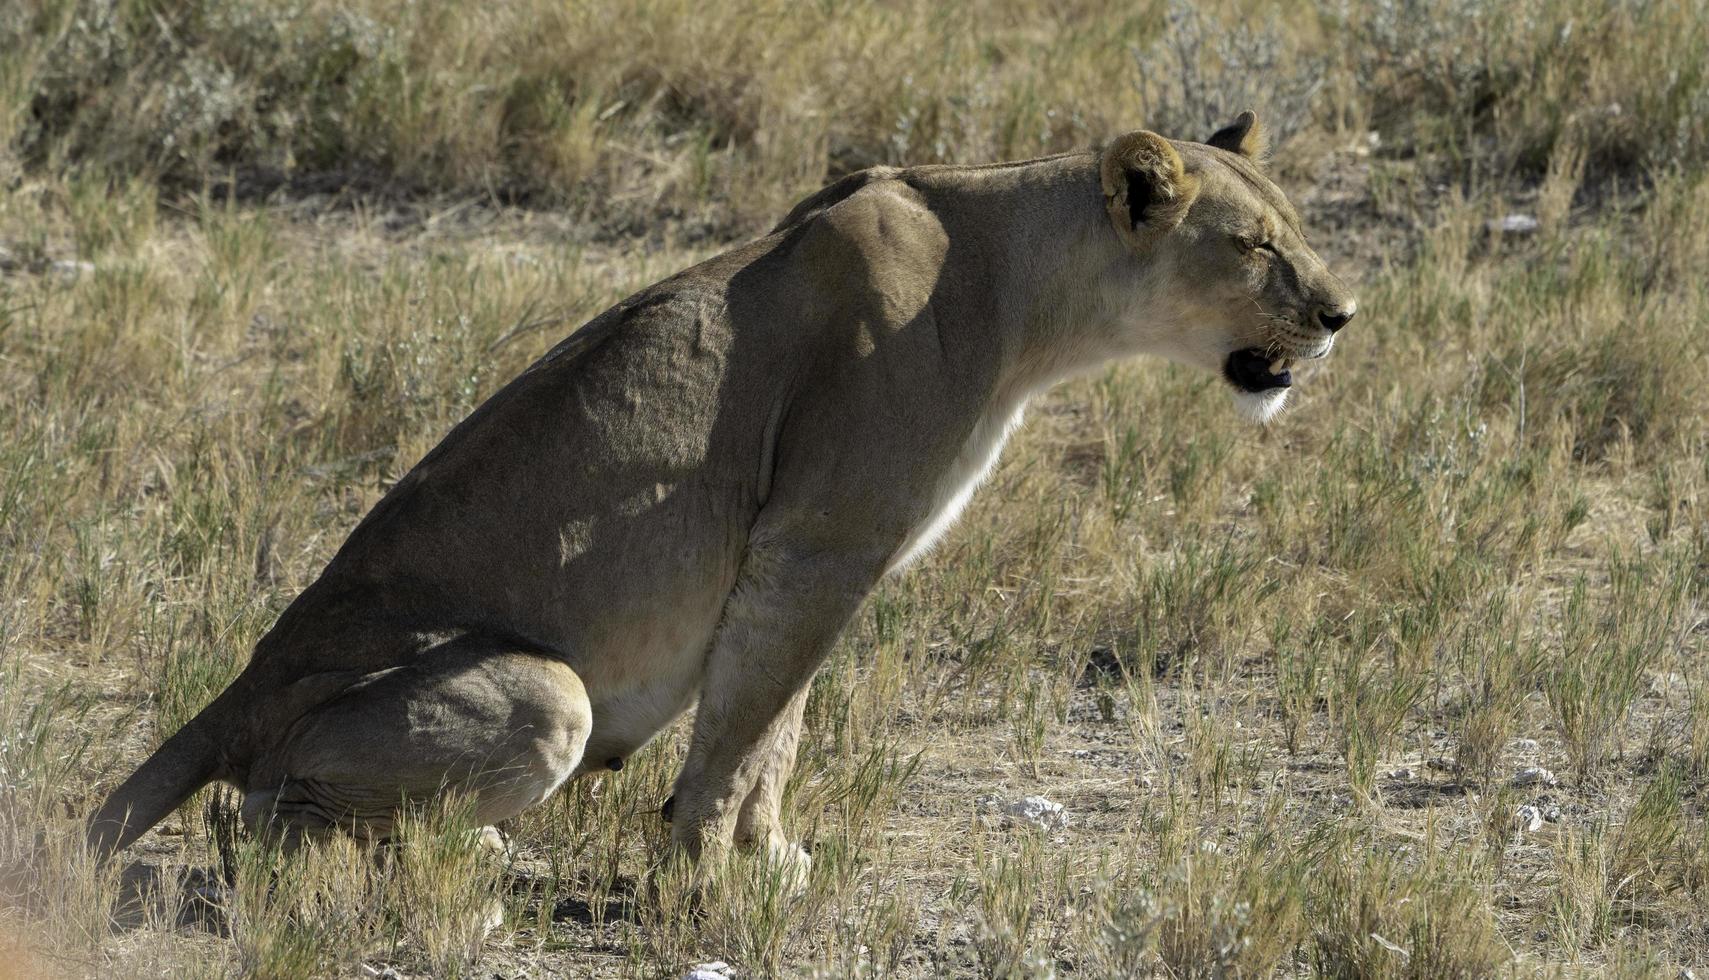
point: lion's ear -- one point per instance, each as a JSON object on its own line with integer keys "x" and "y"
{"x": 1243, "y": 136}
{"x": 1146, "y": 189}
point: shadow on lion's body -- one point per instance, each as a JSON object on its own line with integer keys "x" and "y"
{"x": 688, "y": 497}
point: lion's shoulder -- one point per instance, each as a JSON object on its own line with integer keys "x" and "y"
{"x": 832, "y": 194}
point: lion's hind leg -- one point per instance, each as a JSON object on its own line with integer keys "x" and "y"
{"x": 500, "y": 727}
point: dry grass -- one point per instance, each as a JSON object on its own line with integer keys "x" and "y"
{"x": 1281, "y": 679}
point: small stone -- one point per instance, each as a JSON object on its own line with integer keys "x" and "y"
{"x": 71, "y": 269}
{"x": 715, "y": 970}
{"x": 1552, "y": 813}
{"x": 1515, "y": 224}
{"x": 1534, "y": 776}
{"x": 1525, "y": 745}
{"x": 1529, "y": 819}
{"x": 1039, "y": 812}
{"x": 1405, "y": 774}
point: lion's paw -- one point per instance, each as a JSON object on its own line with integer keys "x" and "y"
{"x": 792, "y": 863}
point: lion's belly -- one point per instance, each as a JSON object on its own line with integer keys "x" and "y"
{"x": 972, "y": 465}
{"x": 622, "y": 725}
{"x": 643, "y": 668}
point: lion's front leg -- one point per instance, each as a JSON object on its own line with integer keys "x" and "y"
{"x": 778, "y": 625}
{"x": 759, "y": 824}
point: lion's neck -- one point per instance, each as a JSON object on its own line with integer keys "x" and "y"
{"x": 1063, "y": 300}
{"x": 1032, "y": 299}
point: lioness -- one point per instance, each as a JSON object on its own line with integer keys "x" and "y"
{"x": 691, "y": 495}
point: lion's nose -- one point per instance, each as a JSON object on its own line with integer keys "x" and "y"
{"x": 1334, "y": 320}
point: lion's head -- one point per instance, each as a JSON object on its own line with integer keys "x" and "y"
{"x": 1224, "y": 259}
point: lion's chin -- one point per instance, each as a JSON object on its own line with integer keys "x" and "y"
{"x": 1260, "y": 407}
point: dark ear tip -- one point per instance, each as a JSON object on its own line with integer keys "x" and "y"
{"x": 1233, "y": 137}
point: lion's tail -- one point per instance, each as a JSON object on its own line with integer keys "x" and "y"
{"x": 190, "y": 759}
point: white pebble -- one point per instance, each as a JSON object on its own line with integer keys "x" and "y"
{"x": 1534, "y": 776}
{"x": 1515, "y": 224}
{"x": 1038, "y": 811}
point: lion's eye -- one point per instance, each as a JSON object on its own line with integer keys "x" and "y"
{"x": 1255, "y": 244}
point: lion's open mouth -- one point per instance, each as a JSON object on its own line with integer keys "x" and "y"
{"x": 1254, "y": 371}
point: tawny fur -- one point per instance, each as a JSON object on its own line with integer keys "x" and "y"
{"x": 686, "y": 499}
